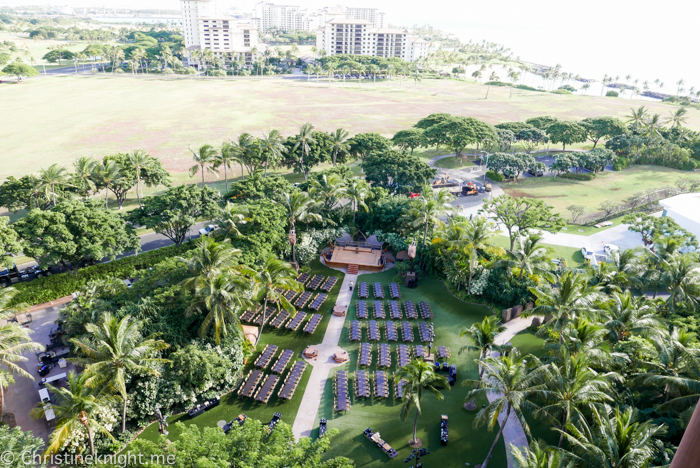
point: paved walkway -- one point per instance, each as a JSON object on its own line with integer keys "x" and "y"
{"x": 322, "y": 365}
{"x": 513, "y": 433}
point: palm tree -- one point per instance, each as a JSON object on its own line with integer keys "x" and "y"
{"x": 531, "y": 256}
{"x": 653, "y": 125}
{"x": 84, "y": 174}
{"x": 329, "y": 189}
{"x": 679, "y": 117}
{"x": 74, "y": 407}
{"x": 205, "y": 155}
{"x": 233, "y": 215}
{"x": 419, "y": 377}
{"x": 573, "y": 389}
{"x": 625, "y": 315}
{"x": 637, "y": 117}
{"x": 305, "y": 138}
{"x": 679, "y": 83}
{"x": 339, "y": 140}
{"x": 483, "y": 334}
{"x": 227, "y": 156}
{"x": 539, "y": 455}
{"x": 207, "y": 259}
{"x": 268, "y": 281}
{"x": 493, "y": 77}
{"x": 507, "y": 379}
{"x": 300, "y": 208}
{"x": 109, "y": 173}
{"x": 113, "y": 349}
{"x": 14, "y": 340}
{"x": 373, "y": 69}
{"x": 613, "y": 440}
{"x": 245, "y": 146}
{"x": 54, "y": 176}
{"x": 476, "y": 233}
{"x": 427, "y": 210}
{"x": 139, "y": 160}
{"x": 572, "y": 298}
{"x": 219, "y": 298}
{"x": 681, "y": 278}
{"x": 273, "y": 145}
{"x": 357, "y": 191}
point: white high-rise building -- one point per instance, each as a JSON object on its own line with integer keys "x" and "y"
{"x": 372, "y": 15}
{"x": 281, "y": 17}
{"x": 205, "y": 28}
{"x": 361, "y": 37}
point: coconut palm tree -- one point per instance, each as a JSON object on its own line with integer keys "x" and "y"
{"x": 233, "y": 215}
{"x": 531, "y": 256}
{"x": 573, "y": 389}
{"x": 113, "y": 349}
{"x": 357, "y": 190}
{"x": 109, "y": 173}
{"x": 653, "y": 125}
{"x": 476, "y": 233}
{"x": 74, "y": 407}
{"x": 205, "y": 155}
{"x": 507, "y": 379}
{"x": 419, "y": 377}
{"x": 329, "y": 190}
{"x": 493, "y": 77}
{"x": 207, "y": 259}
{"x": 219, "y": 298}
{"x": 83, "y": 177}
{"x": 300, "y": 208}
{"x": 304, "y": 140}
{"x": 679, "y": 117}
{"x": 625, "y": 315}
{"x": 573, "y": 297}
{"x": 14, "y": 341}
{"x": 539, "y": 455}
{"x": 139, "y": 161}
{"x": 637, "y": 117}
{"x": 613, "y": 440}
{"x": 681, "y": 278}
{"x": 273, "y": 146}
{"x": 227, "y": 156}
{"x": 427, "y": 210}
{"x": 373, "y": 70}
{"x": 245, "y": 147}
{"x": 266, "y": 283}
{"x": 339, "y": 140}
{"x": 54, "y": 176}
{"x": 483, "y": 334}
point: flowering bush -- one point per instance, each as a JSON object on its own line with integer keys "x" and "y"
{"x": 313, "y": 240}
{"x": 479, "y": 282}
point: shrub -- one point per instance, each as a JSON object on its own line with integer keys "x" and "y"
{"x": 526, "y": 87}
{"x": 561, "y": 91}
{"x": 495, "y": 176}
{"x": 612, "y": 94}
{"x": 496, "y": 83}
{"x": 578, "y": 176}
{"x": 52, "y": 287}
{"x": 568, "y": 88}
{"x": 620, "y": 164}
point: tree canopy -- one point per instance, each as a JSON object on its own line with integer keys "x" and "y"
{"x": 364, "y": 144}
{"x": 398, "y": 172}
{"x": 567, "y": 133}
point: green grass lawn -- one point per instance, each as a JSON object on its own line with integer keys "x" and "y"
{"x": 466, "y": 443}
{"x": 573, "y": 256}
{"x": 608, "y": 185}
{"x": 450, "y": 163}
{"x": 590, "y": 229}
{"x": 232, "y": 405}
{"x": 100, "y": 115}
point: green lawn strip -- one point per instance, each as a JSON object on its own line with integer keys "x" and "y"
{"x": 450, "y": 163}
{"x": 572, "y": 255}
{"x": 466, "y": 443}
{"x": 590, "y": 229}
{"x": 232, "y": 405}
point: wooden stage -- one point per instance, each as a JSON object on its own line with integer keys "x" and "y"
{"x": 365, "y": 257}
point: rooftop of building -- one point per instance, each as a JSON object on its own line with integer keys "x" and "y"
{"x": 687, "y": 204}
{"x": 348, "y": 21}
{"x": 391, "y": 31}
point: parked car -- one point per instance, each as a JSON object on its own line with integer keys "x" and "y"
{"x": 587, "y": 253}
{"x": 535, "y": 172}
{"x": 205, "y": 231}
{"x": 610, "y": 248}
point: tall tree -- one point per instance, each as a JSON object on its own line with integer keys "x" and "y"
{"x": 483, "y": 336}
{"x": 84, "y": 176}
{"x": 273, "y": 146}
{"x": 204, "y": 157}
{"x": 305, "y": 138}
{"x": 419, "y": 377}
{"x": 567, "y": 133}
{"x": 340, "y": 143}
{"x": 109, "y": 174}
{"x": 267, "y": 283}
{"x": 53, "y": 177}
{"x": 507, "y": 379}
{"x": 75, "y": 407}
{"x": 113, "y": 350}
{"x": 426, "y": 211}
{"x": 226, "y": 157}
{"x": 411, "y": 138}
{"x": 357, "y": 192}
{"x": 300, "y": 209}
{"x": 139, "y": 160}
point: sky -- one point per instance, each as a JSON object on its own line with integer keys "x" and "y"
{"x": 644, "y": 39}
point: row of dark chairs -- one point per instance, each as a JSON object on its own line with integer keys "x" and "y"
{"x": 411, "y": 312}
{"x": 364, "y": 357}
{"x": 425, "y": 310}
{"x": 249, "y": 315}
{"x": 342, "y": 398}
{"x": 266, "y": 356}
{"x": 316, "y": 282}
{"x": 362, "y": 388}
{"x": 407, "y": 331}
{"x": 312, "y": 324}
{"x": 280, "y": 319}
{"x": 379, "y": 310}
{"x": 373, "y": 331}
{"x": 424, "y": 332}
{"x": 268, "y": 386}
{"x": 403, "y": 355}
{"x": 384, "y": 355}
{"x": 290, "y": 383}
{"x": 395, "y": 310}
{"x": 318, "y": 301}
{"x": 362, "y": 310}
{"x": 355, "y": 331}
{"x": 282, "y": 361}
{"x": 381, "y": 384}
{"x": 329, "y": 283}
{"x": 250, "y": 382}
{"x": 362, "y": 291}
{"x": 303, "y": 299}
{"x": 394, "y": 291}
{"x": 391, "y": 334}
{"x": 296, "y": 321}
{"x": 303, "y": 278}
{"x": 378, "y": 290}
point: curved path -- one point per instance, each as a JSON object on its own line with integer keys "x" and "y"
{"x": 513, "y": 433}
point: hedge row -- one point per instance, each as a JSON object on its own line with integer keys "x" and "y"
{"x": 52, "y": 287}
{"x": 495, "y": 176}
{"x": 578, "y": 175}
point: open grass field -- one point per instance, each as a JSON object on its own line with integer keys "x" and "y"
{"x": 450, "y": 163}
{"x": 232, "y": 405}
{"x": 608, "y": 185}
{"x": 573, "y": 256}
{"x": 37, "y": 49}
{"x": 466, "y": 445}
{"x": 68, "y": 117}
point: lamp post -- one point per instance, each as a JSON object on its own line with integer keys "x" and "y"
{"x": 486, "y": 168}
{"x": 292, "y": 241}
